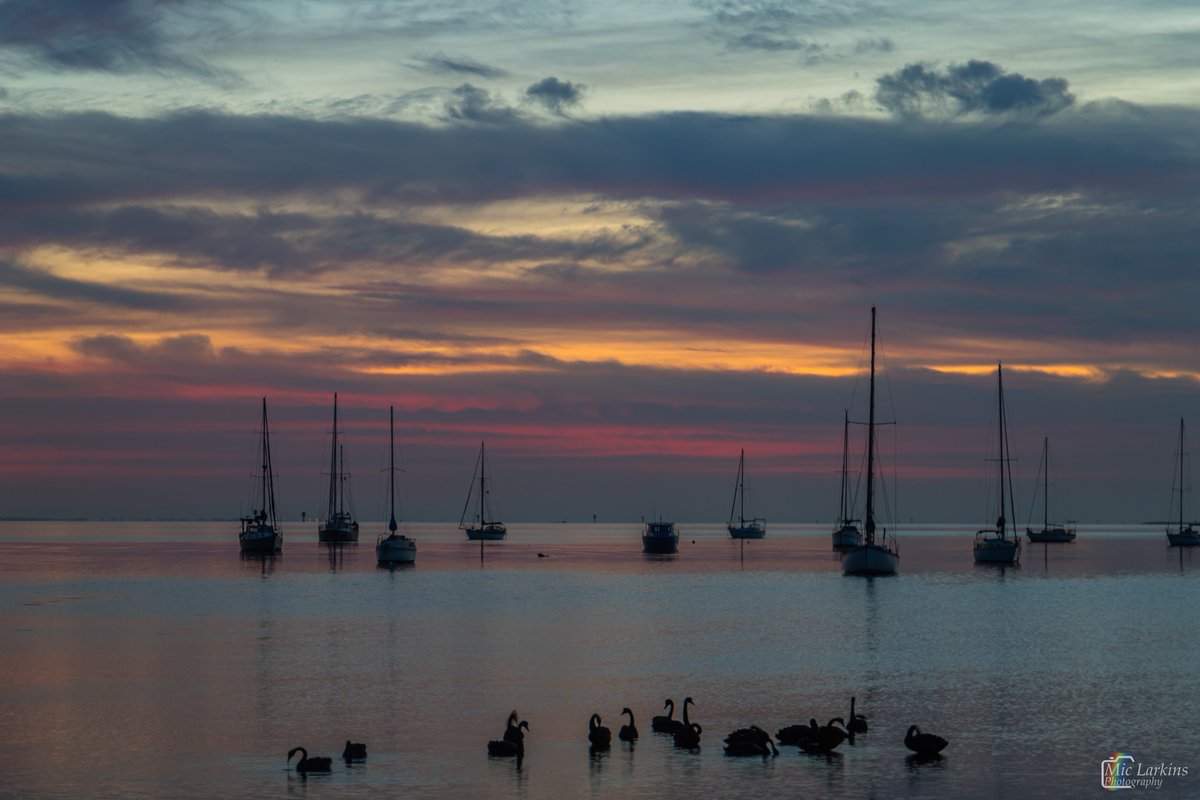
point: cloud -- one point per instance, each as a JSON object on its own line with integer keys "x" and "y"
{"x": 442, "y": 64}
{"x": 977, "y": 87}
{"x": 879, "y": 44}
{"x": 554, "y": 95}
{"x": 114, "y": 36}
{"x": 776, "y": 26}
{"x": 44, "y": 284}
{"x": 469, "y": 103}
{"x": 187, "y": 347}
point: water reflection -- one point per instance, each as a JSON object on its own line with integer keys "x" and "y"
{"x": 336, "y": 553}
{"x": 916, "y": 762}
{"x": 265, "y": 562}
{"x": 178, "y": 666}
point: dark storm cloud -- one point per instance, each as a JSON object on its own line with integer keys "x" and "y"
{"x": 442, "y": 64}
{"x": 980, "y": 87}
{"x": 115, "y": 36}
{"x": 96, "y": 158}
{"x": 554, "y": 95}
{"x": 936, "y": 213}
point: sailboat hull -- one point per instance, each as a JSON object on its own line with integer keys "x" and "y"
{"x": 396, "y": 549}
{"x": 1188, "y": 537}
{"x": 338, "y": 532}
{"x": 491, "y": 532}
{"x": 1050, "y": 535}
{"x": 870, "y": 559}
{"x": 996, "y": 550}
{"x": 751, "y": 530}
{"x": 263, "y": 539}
{"x": 846, "y": 537}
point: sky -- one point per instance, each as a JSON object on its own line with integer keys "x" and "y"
{"x": 618, "y": 241}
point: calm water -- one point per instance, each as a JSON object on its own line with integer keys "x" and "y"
{"x": 149, "y": 660}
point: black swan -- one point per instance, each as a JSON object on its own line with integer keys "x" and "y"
{"x": 628, "y": 733}
{"x": 857, "y": 723}
{"x": 598, "y": 735}
{"x": 924, "y": 744}
{"x": 752, "y": 741}
{"x": 689, "y": 737}
{"x": 513, "y": 743}
{"x": 306, "y": 764}
{"x": 797, "y": 734}
{"x": 826, "y": 738}
{"x": 667, "y": 724}
{"x": 354, "y": 751}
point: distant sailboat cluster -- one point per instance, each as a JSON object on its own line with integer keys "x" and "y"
{"x": 869, "y": 550}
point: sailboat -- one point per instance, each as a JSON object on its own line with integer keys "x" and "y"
{"x": 846, "y": 533}
{"x": 876, "y": 555}
{"x": 996, "y": 545}
{"x": 484, "y": 529}
{"x": 1047, "y": 534}
{"x": 339, "y": 525}
{"x": 1185, "y": 536}
{"x": 745, "y": 528}
{"x": 260, "y": 531}
{"x": 393, "y": 547}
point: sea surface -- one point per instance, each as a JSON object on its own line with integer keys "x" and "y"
{"x": 151, "y": 660}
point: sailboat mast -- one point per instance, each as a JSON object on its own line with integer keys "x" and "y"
{"x": 392, "y": 467}
{"x": 482, "y": 483}
{"x": 736, "y": 487}
{"x": 332, "y": 505}
{"x": 1004, "y": 452}
{"x": 1181, "y": 474}
{"x": 268, "y": 484}
{"x": 869, "y": 522}
{"x": 1046, "y": 488}
{"x": 742, "y": 488}
{"x": 341, "y": 495}
{"x": 845, "y": 463}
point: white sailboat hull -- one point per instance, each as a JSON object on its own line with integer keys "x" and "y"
{"x": 870, "y": 559}
{"x": 994, "y": 549}
{"x": 396, "y": 549}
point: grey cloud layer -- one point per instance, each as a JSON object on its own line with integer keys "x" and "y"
{"x": 947, "y": 218}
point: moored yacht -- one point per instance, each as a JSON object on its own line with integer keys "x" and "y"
{"x": 998, "y": 545}
{"x": 1183, "y": 535}
{"x": 755, "y": 528}
{"x": 660, "y": 537}
{"x": 1048, "y": 533}
{"x": 481, "y": 528}
{"x": 877, "y": 555}
{"x": 393, "y": 547}
{"x": 260, "y": 531}
{"x": 339, "y": 525}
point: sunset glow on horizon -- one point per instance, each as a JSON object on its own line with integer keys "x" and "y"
{"x": 608, "y": 257}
